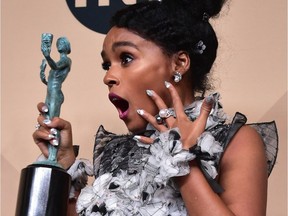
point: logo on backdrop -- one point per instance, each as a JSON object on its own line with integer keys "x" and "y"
{"x": 96, "y": 14}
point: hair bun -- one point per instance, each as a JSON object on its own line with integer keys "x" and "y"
{"x": 196, "y": 7}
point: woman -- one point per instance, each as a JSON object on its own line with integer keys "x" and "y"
{"x": 180, "y": 157}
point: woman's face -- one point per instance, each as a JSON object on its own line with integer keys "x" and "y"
{"x": 133, "y": 66}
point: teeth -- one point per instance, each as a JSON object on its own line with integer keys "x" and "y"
{"x": 114, "y": 99}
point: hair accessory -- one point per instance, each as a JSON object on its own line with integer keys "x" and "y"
{"x": 200, "y": 47}
{"x": 177, "y": 77}
{"x": 205, "y": 17}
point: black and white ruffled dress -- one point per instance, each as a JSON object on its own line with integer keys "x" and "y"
{"x": 132, "y": 178}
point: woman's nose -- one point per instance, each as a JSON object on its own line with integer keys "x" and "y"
{"x": 110, "y": 79}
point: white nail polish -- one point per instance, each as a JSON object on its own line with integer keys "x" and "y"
{"x": 53, "y": 131}
{"x": 149, "y": 92}
{"x": 55, "y": 142}
{"x": 140, "y": 111}
{"x": 210, "y": 99}
{"x": 137, "y": 138}
{"x": 51, "y": 136}
{"x": 47, "y": 121}
{"x": 44, "y": 109}
{"x": 167, "y": 84}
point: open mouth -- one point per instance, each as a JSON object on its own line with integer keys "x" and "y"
{"x": 121, "y": 104}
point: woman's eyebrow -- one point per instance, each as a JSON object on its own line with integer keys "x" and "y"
{"x": 119, "y": 44}
{"x": 123, "y": 43}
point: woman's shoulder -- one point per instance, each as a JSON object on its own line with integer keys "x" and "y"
{"x": 247, "y": 137}
{"x": 243, "y": 171}
{"x": 245, "y": 150}
{"x": 252, "y": 139}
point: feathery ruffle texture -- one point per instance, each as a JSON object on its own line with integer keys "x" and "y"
{"x": 133, "y": 178}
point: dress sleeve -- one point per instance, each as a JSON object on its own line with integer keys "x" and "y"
{"x": 269, "y": 134}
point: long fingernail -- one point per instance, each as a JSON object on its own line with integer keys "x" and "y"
{"x": 51, "y": 136}
{"x": 47, "y": 121}
{"x": 137, "y": 138}
{"x": 140, "y": 111}
{"x": 44, "y": 109}
{"x": 53, "y": 131}
{"x": 149, "y": 92}
{"x": 167, "y": 84}
{"x": 210, "y": 99}
{"x": 55, "y": 142}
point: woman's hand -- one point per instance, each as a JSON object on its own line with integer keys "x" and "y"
{"x": 189, "y": 130}
{"x": 45, "y": 136}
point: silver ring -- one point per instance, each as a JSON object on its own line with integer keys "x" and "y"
{"x": 37, "y": 126}
{"x": 159, "y": 120}
{"x": 165, "y": 113}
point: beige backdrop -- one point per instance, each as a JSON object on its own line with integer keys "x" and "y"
{"x": 250, "y": 73}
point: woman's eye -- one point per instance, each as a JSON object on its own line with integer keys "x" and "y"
{"x": 125, "y": 59}
{"x": 106, "y": 66}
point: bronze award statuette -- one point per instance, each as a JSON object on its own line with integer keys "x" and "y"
{"x": 44, "y": 185}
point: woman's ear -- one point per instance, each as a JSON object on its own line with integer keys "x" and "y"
{"x": 181, "y": 62}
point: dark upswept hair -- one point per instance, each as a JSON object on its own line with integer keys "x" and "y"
{"x": 177, "y": 25}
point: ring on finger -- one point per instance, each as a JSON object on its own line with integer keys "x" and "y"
{"x": 159, "y": 120}
{"x": 37, "y": 126}
{"x": 165, "y": 113}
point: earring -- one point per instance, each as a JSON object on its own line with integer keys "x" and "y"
{"x": 177, "y": 77}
